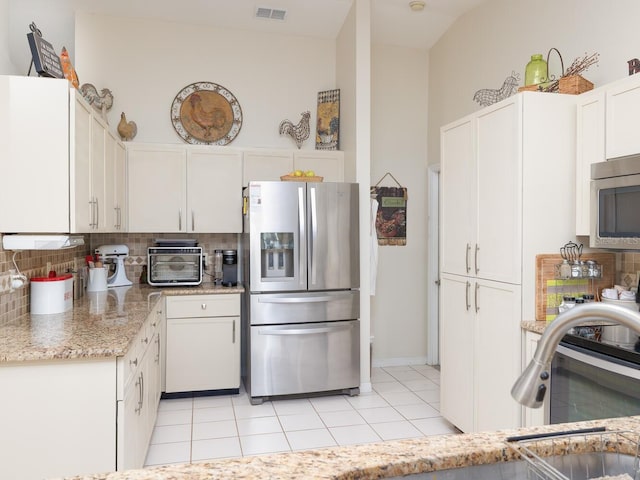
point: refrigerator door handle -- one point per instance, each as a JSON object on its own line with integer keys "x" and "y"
{"x": 304, "y": 331}
{"x": 325, "y": 298}
{"x": 302, "y": 244}
{"x": 314, "y": 235}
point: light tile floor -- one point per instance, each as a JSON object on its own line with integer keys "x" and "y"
{"x": 404, "y": 403}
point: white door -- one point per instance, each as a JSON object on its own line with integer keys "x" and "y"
{"x": 433, "y": 266}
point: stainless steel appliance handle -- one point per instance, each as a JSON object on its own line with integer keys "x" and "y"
{"x": 314, "y": 235}
{"x": 302, "y": 233}
{"x": 597, "y": 362}
{"x": 304, "y": 331}
{"x": 324, "y": 298}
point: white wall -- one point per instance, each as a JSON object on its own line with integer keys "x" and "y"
{"x": 399, "y": 146}
{"x": 6, "y": 67}
{"x": 484, "y": 46}
{"x": 146, "y": 63}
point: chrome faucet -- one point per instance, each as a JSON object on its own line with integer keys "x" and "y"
{"x": 531, "y": 387}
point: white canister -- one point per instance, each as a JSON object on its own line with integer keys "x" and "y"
{"x": 51, "y": 294}
{"x": 97, "y": 281}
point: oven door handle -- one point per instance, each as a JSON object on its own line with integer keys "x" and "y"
{"x": 592, "y": 360}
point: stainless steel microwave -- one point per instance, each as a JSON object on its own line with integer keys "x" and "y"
{"x": 615, "y": 204}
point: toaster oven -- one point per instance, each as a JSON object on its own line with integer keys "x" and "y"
{"x": 174, "y": 266}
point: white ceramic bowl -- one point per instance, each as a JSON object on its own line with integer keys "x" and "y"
{"x": 630, "y": 304}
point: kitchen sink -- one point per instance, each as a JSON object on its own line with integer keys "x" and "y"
{"x": 591, "y": 453}
{"x": 572, "y": 466}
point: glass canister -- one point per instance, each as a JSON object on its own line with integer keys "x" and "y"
{"x": 535, "y": 72}
{"x": 217, "y": 267}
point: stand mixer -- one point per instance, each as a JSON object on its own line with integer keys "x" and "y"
{"x": 115, "y": 254}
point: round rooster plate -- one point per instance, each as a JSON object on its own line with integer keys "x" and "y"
{"x": 205, "y": 113}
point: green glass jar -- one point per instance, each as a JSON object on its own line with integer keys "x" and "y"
{"x": 536, "y": 71}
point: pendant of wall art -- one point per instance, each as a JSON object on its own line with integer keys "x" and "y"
{"x": 488, "y": 96}
{"x": 328, "y": 125}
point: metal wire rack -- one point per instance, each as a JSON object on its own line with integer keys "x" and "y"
{"x": 594, "y": 453}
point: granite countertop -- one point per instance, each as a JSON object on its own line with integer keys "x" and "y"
{"x": 370, "y": 461}
{"x": 101, "y": 324}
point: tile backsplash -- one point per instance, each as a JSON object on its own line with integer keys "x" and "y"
{"x": 36, "y": 263}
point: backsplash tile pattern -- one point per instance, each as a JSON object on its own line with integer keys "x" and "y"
{"x": 14, "y": 303}
{"x": 33, "y": 263}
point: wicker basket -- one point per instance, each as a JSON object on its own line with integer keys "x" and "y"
{"x": 293, "y": 178}
{"x": 574, "y": 84}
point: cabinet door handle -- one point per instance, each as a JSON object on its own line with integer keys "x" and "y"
{"x": 179, "y": 219}
{"x": 91, "y": 213}
{"x": 233, "y": 333}
{"x": 158, "y": 345}
{"x": 476, "y": 297}
{"x": 139, "y": 407}
{"x": 141, "y": 389}
{"x": 203, "y": 306}
{"x": 193, "y": 221}
{"x": 475, "y": 260}
{"x": 133, "y": 362}
{"x": 468, "y": 305}
{"x": 466, "y": 258}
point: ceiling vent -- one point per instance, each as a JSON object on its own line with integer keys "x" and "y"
{"x": 270, "y": 13}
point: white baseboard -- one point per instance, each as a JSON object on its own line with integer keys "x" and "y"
{"x": 395, "y": 362}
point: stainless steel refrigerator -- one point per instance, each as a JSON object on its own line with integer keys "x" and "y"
{"x": 301, "y": 269}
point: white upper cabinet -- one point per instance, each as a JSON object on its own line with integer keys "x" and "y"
{"x": 457, "y": 201}
{"x": 270, "y": 165}
{"x": 214, "y": 192}
{"x": 174, "y": 188}
{"x": 590, "y": 134}
{"x": 156, "y": 192}
{"x": 622, "y": 106}
{"x": 34, "y": 154}
{"x": 265, "y": 165}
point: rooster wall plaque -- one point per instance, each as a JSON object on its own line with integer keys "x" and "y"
{"x": 205, "y": 113}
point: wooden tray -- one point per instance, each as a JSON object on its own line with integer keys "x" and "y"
{"x": 549, "y": 290}
{"x": 293, "y": 178}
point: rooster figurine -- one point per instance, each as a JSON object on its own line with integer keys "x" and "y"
{"x": 126, "y": 130}
{"x": 102, "y": 101}
{"x": 299, "y": 132}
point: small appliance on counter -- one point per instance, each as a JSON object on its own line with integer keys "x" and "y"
{"x": 230, "y": 268}
{"x": 113, "y": 256}
{"x": 174, "y": 263}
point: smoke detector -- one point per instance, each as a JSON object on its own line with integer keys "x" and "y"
{"x": 270, "y": 13}
{"x": 416, "y": 5}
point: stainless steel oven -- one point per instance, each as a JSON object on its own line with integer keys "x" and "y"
{"x": 592, "y": 379}
{"x": 174, "y": 266}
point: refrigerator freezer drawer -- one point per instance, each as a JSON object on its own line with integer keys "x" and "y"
{"x": 304, "y": 358}
{"x": 280, "y": 308}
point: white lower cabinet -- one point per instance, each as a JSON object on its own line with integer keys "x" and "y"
{"x": 203, "y": 343}
{"x": 139, "y": 389}
{"x": 482, "y": 328}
